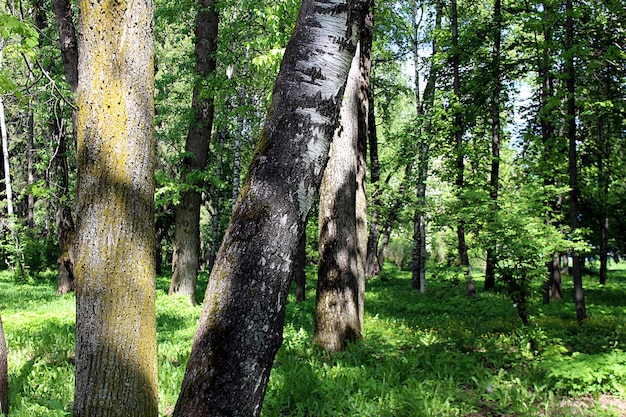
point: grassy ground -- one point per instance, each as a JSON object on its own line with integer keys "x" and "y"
{"x": 433, "y": 354}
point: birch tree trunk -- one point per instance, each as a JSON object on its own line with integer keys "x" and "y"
{"x": 241, "y": 325}
{"x": 185, "y": 263}
{"x": 339, "y": 302}
{"x": 116, "y": 367}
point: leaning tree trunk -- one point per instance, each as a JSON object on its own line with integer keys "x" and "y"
{"x": 570, "y": 82}
{"x": 340, "y": 275}
{"x": 185, "y": 263}
{"x": 241, "y": 325}
{"x": 116, "y": 362}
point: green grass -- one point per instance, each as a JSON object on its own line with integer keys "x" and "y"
{"x": 433, "y": 354}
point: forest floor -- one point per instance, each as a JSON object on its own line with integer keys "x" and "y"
{"x": 433, "y": 354}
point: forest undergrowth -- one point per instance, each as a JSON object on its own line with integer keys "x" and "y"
{"x": 433, "y": 354}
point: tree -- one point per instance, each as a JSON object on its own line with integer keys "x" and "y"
{"x": 341, "y": 267}
{"x": 116, "y": 373}
{"x": 240, "y": 328}
{"x": 494, "y": 176}
{"x": 459, "y": 146}
{"x": 65, "y": 223}
{"x": 570, "y": 81}
{"x": 187, "y": 239}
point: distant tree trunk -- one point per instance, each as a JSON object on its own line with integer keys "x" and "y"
{"x": 116, "y": 362}
{"x": 17, "y": 263}
{"x": 570, "y": 82}
{"x": 494, "y": 178}
{"x": 300, "y": 275}
{"x": 186, "y": 261}
{"x": 423, "y": 147}
{"x": 553, "y": 289}
{"x": 338, "y": 302}
{"x": 364, "y": 87}
{"x": 215, "y": 206}
{"x": 30, "y": 217}
{"x": 65, "y": 223}
{"x": 4, "y": 373}
{"x": 604, "y": 153}
{"x": 459, "y": 151}
{"x": 371, "y": 265}
{"x": 240, "y": 328}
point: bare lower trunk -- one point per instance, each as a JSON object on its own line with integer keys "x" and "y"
{"x": 186, "y": 261}
{"x": 340, "y": 275}
{"x": 116, "y": 361}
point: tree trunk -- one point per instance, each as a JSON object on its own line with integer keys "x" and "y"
{"x": 553, "y": 289}
{"x": 4, "y": 373}
{"x": 300, "y": 274}
{"x": 338, "y": 298}
{"x": 423, "y": 147}
{"x": 570, "y": 82}
{"x": 65, "y": 223}
{"x": 371, "y": 266}
{"x": 17, "y": 262}
{"x": 240, "y": 328}
{"x": 116, "y": 363}
{"x": 186, "y": 261}
{"x": 459, "y": 151}
{"x": 494, "y": 177}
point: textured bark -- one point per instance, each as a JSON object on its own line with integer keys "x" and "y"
{"x": 4, "y": 373}
{"x": 241, "y": 325}
{"x": 67, "y": 38}
{"x": 116, "y": 372}
{"x": 186, "y": 261}
{"x": 570, "y": 82}
{"x": 65, "y": 223}
{"x": 339, "y": 301}
{"x": 300, "y": 275}
{"x": 371, "y": 266}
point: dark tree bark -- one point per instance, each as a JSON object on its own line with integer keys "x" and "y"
{"x": 494, "y": 177}
{"x": 570, "y": 82}
{"x": 186, "y": 261}
{"x": 241, "y": 325}
{"x": 300, "y": 275}
{"x": 116, "y": 361}
{"x": 553, "y": 289}
{"x": 340, "y": 276}
{"x": 65, "y": 223}
{"x": 459, "y": 151}
{"x": 371, "y": 265}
